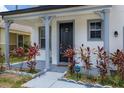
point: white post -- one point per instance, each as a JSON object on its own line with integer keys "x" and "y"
{"x": 7, "y": 43}
{"x": 47, "y": 20}
{"x": 106, "y": 29}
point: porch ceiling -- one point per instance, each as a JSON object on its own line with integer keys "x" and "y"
{"x": 29, "y": 22}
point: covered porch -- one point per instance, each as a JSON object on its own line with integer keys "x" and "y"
{"x": 50, "y": 18}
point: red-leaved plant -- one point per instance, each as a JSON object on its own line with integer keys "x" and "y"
{"x": 69, "y": 53}
{"x": 118, "y": 60}
{"x": 85, "y": 54}
{"x": 2, "y": 68}
{"x": 33, "y": 51}
{"x": 18, "y": 52}
{"x": 102, "y": 62}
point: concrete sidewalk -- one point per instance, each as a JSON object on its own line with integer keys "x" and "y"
{"x": 50, "y": 80}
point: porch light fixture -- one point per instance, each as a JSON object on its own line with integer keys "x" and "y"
{"x": 116, "y": 33}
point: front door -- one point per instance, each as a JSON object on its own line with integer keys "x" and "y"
{"x": 65, "y": 39}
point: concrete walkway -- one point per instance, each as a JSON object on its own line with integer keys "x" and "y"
{"x": 50, "y": 80}
{"x": 41, "y": 66}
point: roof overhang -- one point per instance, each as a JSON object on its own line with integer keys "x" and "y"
{"x": 37, "y": 9}
{"x": 51, "y": 10}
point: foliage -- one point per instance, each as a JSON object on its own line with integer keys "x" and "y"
{"x": 2, "y": 68}
{"x": 19, "y": 53}
{"x": 12, "y": 80}
{"x": 118, "y": 60}
{"x": 69, "y": 53}
{"x": 33, "y": 51}
{"x": 85, "y": 58}
{"x": 102, "y": 62}
{"x": 113, "y": 81}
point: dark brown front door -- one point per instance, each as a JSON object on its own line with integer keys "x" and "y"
{"x": 66, "y": 39}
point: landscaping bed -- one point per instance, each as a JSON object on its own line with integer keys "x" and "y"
{"x": 24, "y": 72}
{"x": 8, "y": 80}
{"x": 92, "y": 81}
{"x": 110, "y": 67}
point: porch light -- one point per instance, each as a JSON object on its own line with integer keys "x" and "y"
{"x": 116, "y": 34}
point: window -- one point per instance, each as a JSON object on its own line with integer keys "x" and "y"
{"x": 42, "y": 37}
{"x": 20, "y": 40}
{"x": 95, "y": 30}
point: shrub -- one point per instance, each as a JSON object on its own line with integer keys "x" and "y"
{"x": 2, "y": 68}
{"x": 102, "y": 62}
{"x": 69, "y": 53}
{"x": 85, "y": 54}
{"x": 33, "y": 51}
{"x": 118, "y": 60}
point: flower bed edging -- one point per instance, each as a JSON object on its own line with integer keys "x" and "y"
{"x": 83, "y": 83}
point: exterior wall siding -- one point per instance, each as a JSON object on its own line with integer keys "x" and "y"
{"x": 116, "y": 24}
{"x": 13, "y": 38}
{"x": 80, "y": 33}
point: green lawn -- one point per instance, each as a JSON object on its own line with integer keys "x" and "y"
{"x": 17, "y": 59}
{"x": 14, "y": 59}
{"x": 12, "y": 80}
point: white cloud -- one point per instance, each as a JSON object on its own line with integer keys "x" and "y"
{"x": 3, "y": 8}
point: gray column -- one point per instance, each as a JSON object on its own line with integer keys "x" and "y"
{"x": 47, "y": 20}
{"x": 7, "y": 43}
{"x": 106, "y": 29}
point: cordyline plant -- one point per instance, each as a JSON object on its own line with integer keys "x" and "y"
{"x": 2, "y": 68}
{"x": 18, "y": 52}
{"x": 33, "y": 51}
{"x": 85, "y": 54}
{"x": 69, "y": 53}
{"x": 118, "y": 60}
{"x": 102, "y": 62}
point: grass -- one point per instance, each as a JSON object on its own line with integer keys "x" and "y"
{"x": 28, "y": 71}
{"x": 113, "y": 81}
{"x": 12, "y": 80}
{"x": 17, "y": 59}
{"x": 14, "y": 59}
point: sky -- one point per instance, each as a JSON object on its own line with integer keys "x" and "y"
{"x": 13, "y": 7}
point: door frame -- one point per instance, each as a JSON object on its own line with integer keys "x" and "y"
{"x": 58, "y": 39}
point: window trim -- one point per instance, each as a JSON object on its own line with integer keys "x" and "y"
{"x": 44, "y": 36}
{"x": 88, "y": 30}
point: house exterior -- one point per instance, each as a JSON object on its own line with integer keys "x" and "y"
{"x": 18, "y": 37}
{"x": 56, "y": 27}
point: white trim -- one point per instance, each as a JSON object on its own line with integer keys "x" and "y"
{"x": 58, "y": 40}
{"x": 75, "y": 10}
